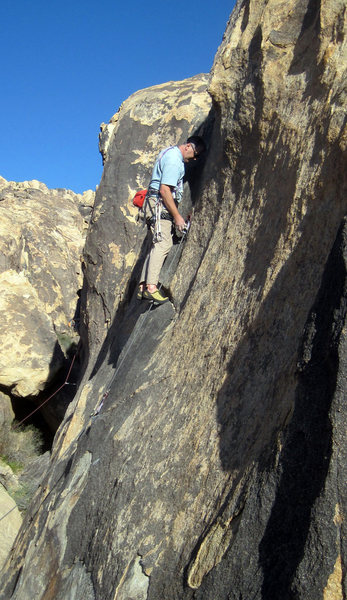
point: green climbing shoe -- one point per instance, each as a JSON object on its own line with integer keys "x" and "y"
{"x": 156, "y": 297}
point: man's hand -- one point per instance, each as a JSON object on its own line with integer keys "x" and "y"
{"x": 179, "y": 222}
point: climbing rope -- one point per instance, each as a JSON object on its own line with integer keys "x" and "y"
{"x": 8, "y": 512}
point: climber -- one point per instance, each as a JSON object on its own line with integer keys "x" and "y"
{"x": 164, "y": 194}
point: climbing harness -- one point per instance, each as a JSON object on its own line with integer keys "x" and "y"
{"x": 98, "y": 408}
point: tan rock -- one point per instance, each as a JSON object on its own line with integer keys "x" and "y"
{"x": 6, "y": 412}
{"x": 7, "y": 478}
{"x": 9, "y": 524}
{"x": 334, "y": 588}
{"x": 25, "y": 356}
{"x": 42, "y": 234}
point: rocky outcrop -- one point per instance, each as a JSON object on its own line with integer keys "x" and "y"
{"x": 42, "y": 235}
{"x": 215, "y": 467}
{"x": 148, "y": 121}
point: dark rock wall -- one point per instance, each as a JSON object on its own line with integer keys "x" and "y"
{"x": 215, "y": 468}
{"x": 292, "y": 519}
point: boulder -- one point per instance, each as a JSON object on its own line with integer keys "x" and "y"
{"x": 42, "y": 234}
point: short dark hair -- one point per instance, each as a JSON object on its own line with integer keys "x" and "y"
{"x": 198, "y": 143}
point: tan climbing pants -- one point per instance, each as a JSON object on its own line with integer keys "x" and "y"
{"x": 159, "y": 251}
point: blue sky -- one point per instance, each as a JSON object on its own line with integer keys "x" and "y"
{"x": 67, "y": 65}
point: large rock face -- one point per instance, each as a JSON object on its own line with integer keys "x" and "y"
{"x": 42, "y": 234}
{"x": 215, "y": 468}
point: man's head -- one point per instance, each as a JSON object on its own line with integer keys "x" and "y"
{"x": 193, "y": 147}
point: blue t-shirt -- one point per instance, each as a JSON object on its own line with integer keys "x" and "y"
{"x": 169, "y": 170}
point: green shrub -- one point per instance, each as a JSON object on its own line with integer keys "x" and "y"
{"x": 20, "y": 446}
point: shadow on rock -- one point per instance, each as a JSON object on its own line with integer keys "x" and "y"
{"x": 307, "y": 451}
{"x": 255, "y": 403}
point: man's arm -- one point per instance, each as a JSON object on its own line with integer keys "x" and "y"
{"x": 166, "y": 195}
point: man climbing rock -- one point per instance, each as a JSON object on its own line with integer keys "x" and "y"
{"x": 164, "y": 195}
